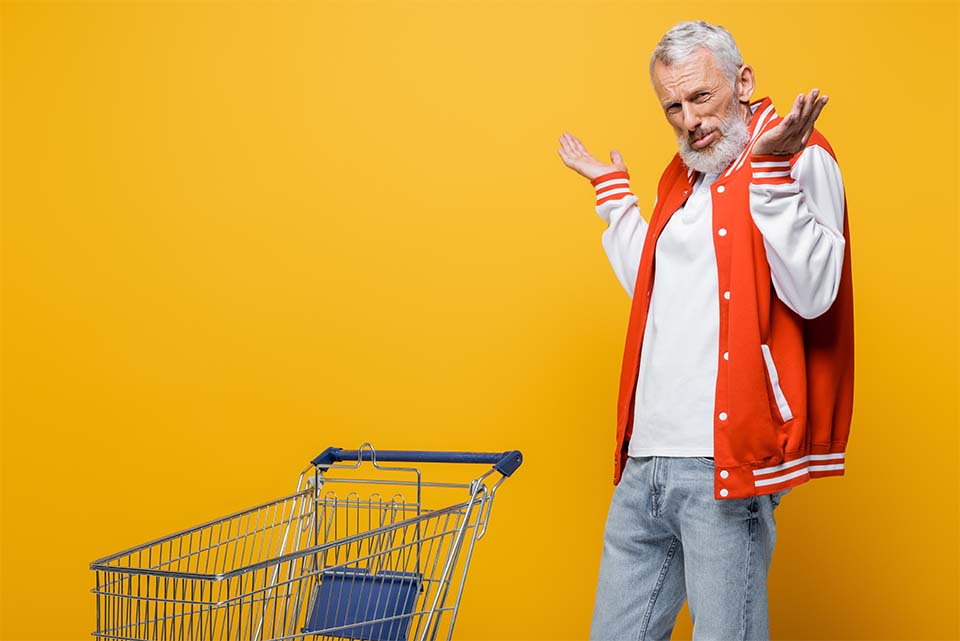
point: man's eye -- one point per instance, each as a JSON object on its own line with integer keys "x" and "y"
{"x": 672, "y": 109}
{"x": 702, "y": 97}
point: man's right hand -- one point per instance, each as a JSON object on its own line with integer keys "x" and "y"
{"x": 577, "y": 158}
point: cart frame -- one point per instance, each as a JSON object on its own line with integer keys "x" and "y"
{"x": 313, "y": 563}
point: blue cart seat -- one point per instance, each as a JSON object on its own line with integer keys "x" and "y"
{"x": 350, "y": 596}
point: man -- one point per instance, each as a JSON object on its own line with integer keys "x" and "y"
{"x": 737, "y": 377}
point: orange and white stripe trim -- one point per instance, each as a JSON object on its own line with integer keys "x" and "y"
{"x": 612, "y": 186}
{"x": 768, "y": 115}
{"x": 770, "y": 170}
{"x": 810, "y": 465}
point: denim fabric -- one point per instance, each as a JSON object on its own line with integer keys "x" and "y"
{"x": 668, "y": 540}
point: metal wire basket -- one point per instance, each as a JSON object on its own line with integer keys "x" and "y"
{"x": 370, "y": 561}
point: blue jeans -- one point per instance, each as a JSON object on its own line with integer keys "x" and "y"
{"x": 667, "y": 540}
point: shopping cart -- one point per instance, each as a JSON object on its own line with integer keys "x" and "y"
{"x": 368, "y": 562}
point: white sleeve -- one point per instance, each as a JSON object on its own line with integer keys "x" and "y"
{"x": 626, "y": 230}
{"x": 799, "y": 211}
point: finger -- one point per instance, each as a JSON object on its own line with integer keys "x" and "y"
{"x": 789, "y": 123}
{"x": 811, "y": 119}
{"x": 821, "y": 103}
{"x": 567, "y": 141}
{"x": 571, "y": 151}
{"x": 808, "y": 104}
{"x": 616, "y": 159}
{"x": 801, "y": 115}
{"x": 808, "y": 128}
{"x": 797, "y": 107}
{"x": 579, "y": 146}
{"x": 810, "y": 110}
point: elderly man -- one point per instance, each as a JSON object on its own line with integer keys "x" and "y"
{"x": 737, "y": 376}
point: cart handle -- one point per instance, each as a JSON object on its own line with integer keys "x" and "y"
{"x": 504, "y": 462}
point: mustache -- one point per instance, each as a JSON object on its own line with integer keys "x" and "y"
{"x": 700, "y": 133}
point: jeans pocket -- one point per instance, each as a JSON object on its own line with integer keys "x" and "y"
{"x": 704, "y": 460}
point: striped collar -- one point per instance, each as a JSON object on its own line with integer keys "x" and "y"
{"x": 763, "y": 113}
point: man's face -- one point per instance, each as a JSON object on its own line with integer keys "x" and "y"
{"x": 703, "y": 110}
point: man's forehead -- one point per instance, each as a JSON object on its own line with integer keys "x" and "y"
{"x": 700, "y": 69}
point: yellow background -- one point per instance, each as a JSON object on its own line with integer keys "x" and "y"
{"x": 235, "y": 233}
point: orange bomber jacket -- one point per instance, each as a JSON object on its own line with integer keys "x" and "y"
{"x": 775, "y": 426}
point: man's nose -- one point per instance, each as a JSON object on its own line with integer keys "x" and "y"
{"x": 691, "y": 119}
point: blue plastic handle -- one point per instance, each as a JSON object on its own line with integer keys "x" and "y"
{"x": 505, "y": 462}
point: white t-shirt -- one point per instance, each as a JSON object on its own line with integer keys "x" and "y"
{"x": 673, "y": 414}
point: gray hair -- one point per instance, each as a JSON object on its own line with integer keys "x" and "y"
{"x": 684, "y": 39}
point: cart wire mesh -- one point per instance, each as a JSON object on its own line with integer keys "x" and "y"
{"x": 367, "y": 562}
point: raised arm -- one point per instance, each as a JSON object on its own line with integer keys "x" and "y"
{"x": 623, "y": 238}
{"x": 797, "y": 202}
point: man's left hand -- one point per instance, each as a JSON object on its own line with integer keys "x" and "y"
{"x": 791, "y": 135}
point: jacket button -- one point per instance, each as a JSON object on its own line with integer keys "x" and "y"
{"x": 721, "y": 189}
{"x": 726, "y": 356}
{"x": 724, "y": 474}
{"x": 723, "y": 416}
{"x": 726, "y": 294}
{"x": 722, "y": 231}
{"x": 724, "y": 492}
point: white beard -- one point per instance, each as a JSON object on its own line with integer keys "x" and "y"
{"x": 734, "y": 136}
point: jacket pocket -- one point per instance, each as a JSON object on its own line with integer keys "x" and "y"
{"x": 782, "y": 405}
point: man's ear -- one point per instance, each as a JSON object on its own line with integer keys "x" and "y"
{"x": 744, "y": 85}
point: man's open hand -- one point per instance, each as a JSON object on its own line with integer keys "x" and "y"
{"x": 791, "y": 135}
{"x": 577, "y": 158}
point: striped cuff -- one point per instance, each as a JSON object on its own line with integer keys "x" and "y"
{"x": 612, "y": 186}
{"x": 770, "y": 170}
